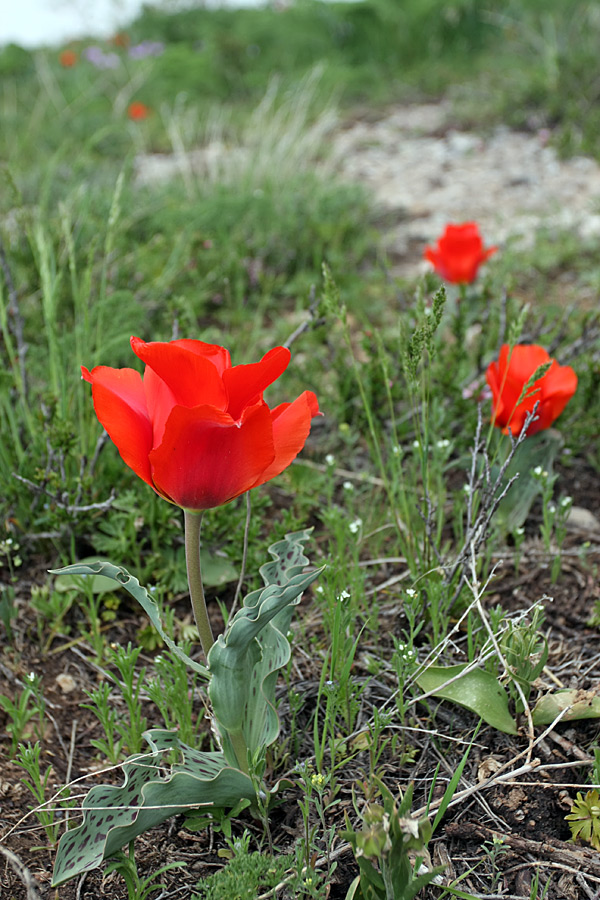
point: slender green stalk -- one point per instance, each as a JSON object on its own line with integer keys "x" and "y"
{"x": 193, "y": 521}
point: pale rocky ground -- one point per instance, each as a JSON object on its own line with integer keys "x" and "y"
{"x": 511, "y": 183}
{"x": 422, "y": 172}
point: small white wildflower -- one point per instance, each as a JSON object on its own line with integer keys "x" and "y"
{"x": 551, "y": 508}
{"x": 31, "y": 677}
{"x": 355, "y": 525}
{"x": 519, "y": 530}
{"x": 330, "y": 459}
{"x": 537, "y": 471}
{"x": 467, "y": 488}
{"x": 566, "y": 501}
{"x": 411, "y": 592}
{"x": 319, "y": 589}
{"x": 345, "y": 595}
{"x": 416, "y": 444}
{"x": 157, "y": 660}
{"x": 348, "y": 486}
{"x": 443, "y": 444}
{"x": 396, "y": 449}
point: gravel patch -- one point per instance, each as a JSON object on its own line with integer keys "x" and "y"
{"x": 421, "y": 172}
{"x": 414, "y": 164}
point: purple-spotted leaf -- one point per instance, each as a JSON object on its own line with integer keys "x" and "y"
{"x": 245, "y": 660}
{"x": 152, "y": 791}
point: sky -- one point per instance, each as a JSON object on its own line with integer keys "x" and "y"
{"x": 34, "y": 23}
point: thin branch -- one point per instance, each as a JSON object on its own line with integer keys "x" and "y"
{"x": 311, "y": 322}
{"x": 62, "y": 503}
{"x": 20, "y": 869}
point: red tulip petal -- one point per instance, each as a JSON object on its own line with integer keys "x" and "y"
{"x": 291, "y": 427}
{"x": 193, "y": 378}
{"x": 557, "y": 388}
{"x": 459, "y": 253}
{"x": 160, "y": 400}
{"x": 432, "y": 255}
{"x": 523, "y": 360}
{"x": 245, "y": 384}
{"x": 207, "y": 459}
{"x": 120, "y": 405}
{"x": 559, "y": 382}
{"x": 217, "y": 355}
{"x": 508, "y": 377}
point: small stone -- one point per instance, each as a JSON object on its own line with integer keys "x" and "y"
{"x": 581, "y": 519}
{"x": 66, "y": 683}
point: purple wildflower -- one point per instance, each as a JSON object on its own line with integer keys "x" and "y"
{"x": 101, "y": 60}
{"x": 146, "y": 48}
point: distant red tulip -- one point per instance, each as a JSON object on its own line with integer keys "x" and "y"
{"x": 510, "y": 374}
{"x": 121, "y": 39}
{"x": 458, "y": 253}
{"x": 195, "y": 428}
{"x": 68, "y": 59}
{"x": 138, "y": 111}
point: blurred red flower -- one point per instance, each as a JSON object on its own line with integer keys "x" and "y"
{"x": 196, "y": 428}
{"x": 138, "y": 111}
{"x": 68, "y": 58}
{"x": 458, "y": 253}
{"x": 507, "y": 379}
{"x": 121, "y": 39}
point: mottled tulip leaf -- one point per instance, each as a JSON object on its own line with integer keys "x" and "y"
{"x": 583, "y": 705}
{"x": 149, "y": 605}
{"x": 152, "y": 791}
{"x": 245, "y": 660}
{"x": 476, "y": 690}
{"x": 69, "y": 581}
{"x": 243, "y": 666}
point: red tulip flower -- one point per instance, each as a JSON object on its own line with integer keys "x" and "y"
{"x": 67, "y": 59}
{"x": 196, "y": 428}
{"x": 458, "y": 253}
{"x": 138, "y": 111}
{"x": 507, "y": 379}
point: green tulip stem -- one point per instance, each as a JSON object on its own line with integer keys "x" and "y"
{"x": 193, "y": 521}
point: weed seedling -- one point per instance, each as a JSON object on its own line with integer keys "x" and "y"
{"x": 103, "y": 708}
{"x": 173, "y": 692}
{"x": 137, "y": 888}
{"x": 382, "y": 847}
{"x": 28, "y": 758}
{"x": 20, "y": 712}
{"x": 133, "y": 726}
{"x": 584, "y": 818}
